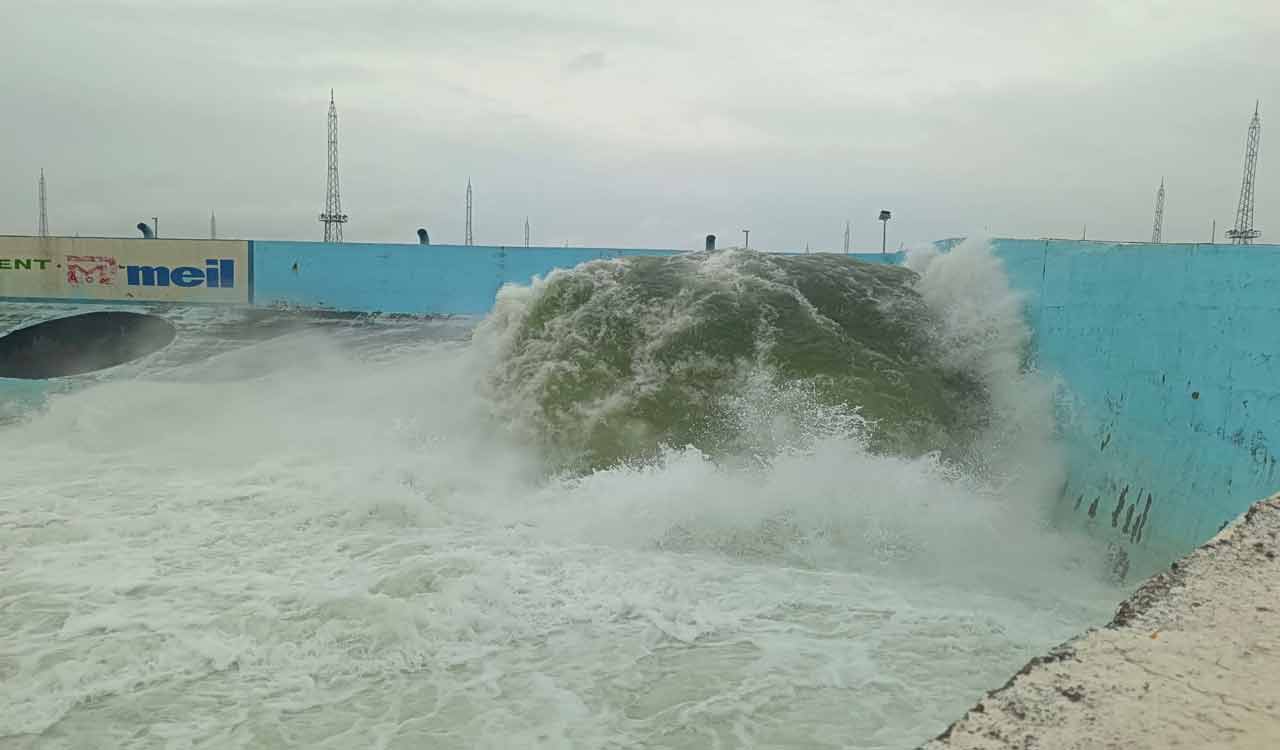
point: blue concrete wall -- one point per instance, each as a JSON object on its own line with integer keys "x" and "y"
{"x": 1170, "y": 360}
{"x": 893, "y": 258}
{"x": 412, "y": 279}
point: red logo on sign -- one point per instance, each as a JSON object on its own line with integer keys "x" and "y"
{"x": 91, "y": 269}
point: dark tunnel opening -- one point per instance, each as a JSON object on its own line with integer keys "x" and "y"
{"x": 81, "y": 343}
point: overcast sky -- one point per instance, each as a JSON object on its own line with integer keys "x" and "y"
{"x": 640, "y": 124}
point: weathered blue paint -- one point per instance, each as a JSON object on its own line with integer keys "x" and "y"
{"x": 1170, "y": 362}
{"x": 412, "y": 279}
{"x": 518, "y": 265}
{"x": 890, "y": 258}
{"x": 893, "y": 258}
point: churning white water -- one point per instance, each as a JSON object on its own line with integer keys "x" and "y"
{"x": 330, "y": 540}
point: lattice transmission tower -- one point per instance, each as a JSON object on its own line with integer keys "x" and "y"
{"x": 1244, "y": 233}
{"x": 333, "y": 218}
{"x": 469, "y": 239}
{"x": 43, "y": 226}
{"x": 1157, "y": 227}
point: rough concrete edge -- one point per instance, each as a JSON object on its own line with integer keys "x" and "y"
{"x": 1155, "y": 589}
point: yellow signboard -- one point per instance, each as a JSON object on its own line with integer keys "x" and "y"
{"x": 140, "y": 270}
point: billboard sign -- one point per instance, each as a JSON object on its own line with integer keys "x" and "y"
{"x": 137, "y": 270}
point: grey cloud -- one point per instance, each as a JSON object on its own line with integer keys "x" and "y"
{"x": 784, "y": 124}
{"x": 587, "y": 61}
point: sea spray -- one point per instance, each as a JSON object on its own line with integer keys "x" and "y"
{"x": 982, "y": 330}
{"x": 354, "y": 539}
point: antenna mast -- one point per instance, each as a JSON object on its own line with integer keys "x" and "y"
{"x": 469, "y": 239}
{"x": 44, "y": 209}
{"x": 1244, "y": 233}
{"x": 1157, "y": 228}
{"x": 333, "y": 218}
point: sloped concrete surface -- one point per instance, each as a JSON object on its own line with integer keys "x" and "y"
{"x": 1191, "y": 660}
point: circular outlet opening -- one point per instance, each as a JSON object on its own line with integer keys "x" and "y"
{"x": 81, "y": 343}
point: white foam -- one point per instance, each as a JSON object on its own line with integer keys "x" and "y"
{"x": 291, "y": 547}
{"x": 983, "y": 331}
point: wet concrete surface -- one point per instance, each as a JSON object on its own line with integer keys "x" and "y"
{"x": 1191, "y": 660}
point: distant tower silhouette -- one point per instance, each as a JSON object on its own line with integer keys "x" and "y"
{"x": 333, "y": 218}
{"x": 469, "y": 239}
{"x": 847, "y": 229}
{"x": 213, "y": 226}
{"x": 526, "y": 231}
{"x": 1157, "y": 228}
{"x": 43, "y": 227}
{"x": 1244, "y": 233}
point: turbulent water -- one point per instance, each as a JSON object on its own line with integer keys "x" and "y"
{"x": 710, "y": 501}
{"x": 616, "y": 360}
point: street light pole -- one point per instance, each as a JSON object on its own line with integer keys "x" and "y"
{"x": 884, "y": 234}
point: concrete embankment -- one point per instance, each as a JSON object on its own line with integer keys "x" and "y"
{"x": 1191, "y": 660}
